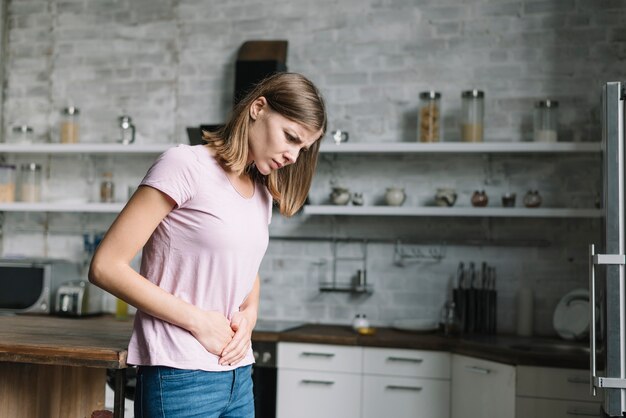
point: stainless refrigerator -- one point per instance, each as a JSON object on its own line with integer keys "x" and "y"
{"x": 606, "y": 271}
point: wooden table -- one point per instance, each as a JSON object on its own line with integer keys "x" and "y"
{"x": 56, "y": 367}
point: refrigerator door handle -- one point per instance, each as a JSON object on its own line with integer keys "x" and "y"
{"x": 592, "y": 320}
{"x": 599, "y": 259}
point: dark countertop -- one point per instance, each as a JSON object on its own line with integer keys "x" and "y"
{"x": 508, "y": 349}
{"x": 102, "y": 342}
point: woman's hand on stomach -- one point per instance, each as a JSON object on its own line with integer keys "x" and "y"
{"x": 238, "y": 347}
{"x": 213, "y": 331}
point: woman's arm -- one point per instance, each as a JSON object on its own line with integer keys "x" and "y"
{"x": 243, "y": 323}
{"x": 110, "y": 269}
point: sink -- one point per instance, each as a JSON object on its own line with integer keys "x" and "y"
{"x": 550, "y": 348}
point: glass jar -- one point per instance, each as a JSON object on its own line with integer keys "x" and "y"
{"x": 472, "y": 116}
{"x": 30, "y": 182}
{"x": 69, "y": 125}
{"x": 546, "y": 121}
{"x": 107, "y": 188}
{"x": 429, "y": 119}
{"x": 22, "y": 134}
{"x": 7, "y": 183}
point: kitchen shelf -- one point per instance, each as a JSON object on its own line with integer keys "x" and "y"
{"x": 457, "y": 212}
{"x": 460, "y": 147}
{"x": 85, "y": 148}
{"x": 62, "y": 207}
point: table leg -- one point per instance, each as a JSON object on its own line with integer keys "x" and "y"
{"x": 120, "y": 387}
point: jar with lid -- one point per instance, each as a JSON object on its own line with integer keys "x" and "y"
{"x": 7, "y": 183}
{"x": 22, "y": 134}
{"x": 30, "y": 182}
{"x": 429, "y": 119}
{"x": 472, "y": 115}
{"x": 69, "y": 125}
{"x": 107, "y": 188}
{"x": 546, "y": 121}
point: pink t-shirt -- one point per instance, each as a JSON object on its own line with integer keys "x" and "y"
{"x": 206, "y": 251}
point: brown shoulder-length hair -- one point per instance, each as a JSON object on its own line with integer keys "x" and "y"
{"x": 295, "y": 97}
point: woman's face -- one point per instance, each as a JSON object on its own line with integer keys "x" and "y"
{"x": 274, "y": 140}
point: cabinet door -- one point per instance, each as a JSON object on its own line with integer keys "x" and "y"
{"x": 552, "y": 408}
{"x": 547, "y": 382}
{"x": 408, "y": 363}
{"x": 482, "y": 389}
{"x": 310, "y": 394}
{"x": 320, "y": 357}
{"x": 403, "y": 397}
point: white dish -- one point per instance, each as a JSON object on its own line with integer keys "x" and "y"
{"x": 571, "y": 316}
{"x": 414, "y": 324}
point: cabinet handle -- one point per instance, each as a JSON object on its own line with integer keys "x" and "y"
{"x": 396, "y": 387}
{"x": 406, "y": 359}
{"x": 317, "y": 382}
{"x": 578, "y": 412}
{"x": 480, "y": 370}
{"x": 578, "y": 379}
{"x": 312, "y": 354}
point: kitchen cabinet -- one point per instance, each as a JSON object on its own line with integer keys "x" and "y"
{"x": 488, "y": 148}
{"x": 74, "y": 149}
{"x": 405, "y": 383}
{"x": 544, "y": 392}
{"x": 317, "y": 380}
{"x": 482, "y": 389}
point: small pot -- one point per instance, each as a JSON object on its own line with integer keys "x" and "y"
{"x": 445, "y": 197}
{"x": 508, "y": 200}
{"x": 340, "y": 196}
{"x": 395, "y": 196}
{"x": 357, "y": 199}
{"x": 480, "y": 199}
{"x": 532, "y": 199}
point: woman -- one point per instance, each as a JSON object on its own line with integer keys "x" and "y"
{"x": 201, "y": 215}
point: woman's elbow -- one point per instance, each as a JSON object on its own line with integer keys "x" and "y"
{"x": 96, "y": 273}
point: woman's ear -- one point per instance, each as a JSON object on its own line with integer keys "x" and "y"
{"x": 258, "y": 107}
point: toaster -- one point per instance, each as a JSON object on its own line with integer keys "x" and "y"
{"x": 78, "y": 298}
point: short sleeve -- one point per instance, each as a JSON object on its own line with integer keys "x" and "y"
{"x": 173, "y": 174}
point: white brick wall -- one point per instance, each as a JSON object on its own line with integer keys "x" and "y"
{"x": 169, "y": 64}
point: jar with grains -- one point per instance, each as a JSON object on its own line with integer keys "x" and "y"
{"x": 70, "y": 131}
{"x": 7, "y": 183}
{"x": 107, "y": 188}
{"x": 546, "y": 121}
{"x": 429, "y": 118}
{"x": 30, "y": 182}
{"x": 472, "y": 115}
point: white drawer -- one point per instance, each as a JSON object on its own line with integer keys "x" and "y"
{"x": 320, "y": 357}
{"x": 409, "y": 363}
{"x": 551, "y": 408}
{"x": 549, "y": 382}
{"x": 310, "y": 394}
{"x": 405, "y": 397}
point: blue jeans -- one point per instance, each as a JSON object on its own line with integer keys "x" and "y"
{"x": 166, "y": 392}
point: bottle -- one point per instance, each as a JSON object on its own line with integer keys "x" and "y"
{"x": 525, "y": 312}
{"x": 107, "y": 188}
{"x": 121, "y": 309}
{"x": 127, "y": 130}
{"x": 472, "y": 116}
{"x": 546, "y": 121}
{"x": 429, "y": 119}
{"x": 30, "y": 183}
{"x": 69, "y": 125}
